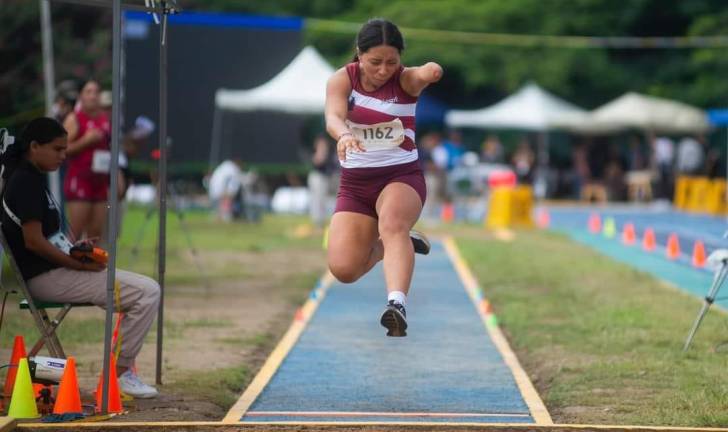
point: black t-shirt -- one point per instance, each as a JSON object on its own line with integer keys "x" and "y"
{"x": 27, "y": 198}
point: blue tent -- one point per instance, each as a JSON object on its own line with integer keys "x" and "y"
{"x": 430, "y": 111}
{"x": 718, "y": 116}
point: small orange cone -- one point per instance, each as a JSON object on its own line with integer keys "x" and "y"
{"x": 628, "y": 234}
{"x": 37, "y": 388}
{"x": 543, "y": 218}
{"x": 648, "y": 241}
{"x": 68, "y": 399}
{"x": 18, "y": 353}
{"x": 299, "y": 315}
{"x": 114, "y": 394}
{"x": 448, "y": 212}
{"x": 594, "y": 224}
{"x": 673, "y": 247}
{"x": 699, "y": 254}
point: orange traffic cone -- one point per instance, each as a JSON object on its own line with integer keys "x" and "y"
{"x": 448, "y": 212}
{"x": 594, "y": 224}
{"x": 543, "y": 219}
{"x": 628, "y": 234}
{"x": 699, "y": 254}
{"x": 68, "y": 399}
{"x": 114, "y": 394}
{"x": 18, "y": 353}
{"x": 648, "y": 241}
{"x": 673, "y": 247}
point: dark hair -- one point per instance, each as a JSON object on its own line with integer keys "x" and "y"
{"x": 378, "y": 31}
{"x": 68, "y": 97}
{"x": 87, "y": 82}
{"x": 42, "y": 130}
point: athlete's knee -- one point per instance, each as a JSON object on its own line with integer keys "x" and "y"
{"x": 344, "y": 272}
{"x": 392, "y": 226}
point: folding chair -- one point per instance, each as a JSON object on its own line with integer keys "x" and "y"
{"x": 45, "y": 325}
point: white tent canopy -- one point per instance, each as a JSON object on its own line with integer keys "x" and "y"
{"x": 634, "y": 110}
{"x": 531, "y": 108}
{"x": 300, "y": 88}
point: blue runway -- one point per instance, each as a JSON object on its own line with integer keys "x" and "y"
{"x": 344, "y": 369}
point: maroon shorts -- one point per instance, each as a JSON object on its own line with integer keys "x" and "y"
{"x": 360, "y": 187}
{"x": 86, "y": 187}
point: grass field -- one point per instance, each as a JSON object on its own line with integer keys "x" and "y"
{"x": 601, "y": 342}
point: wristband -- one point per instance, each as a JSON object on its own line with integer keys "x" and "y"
{"x": 343, "y": 135}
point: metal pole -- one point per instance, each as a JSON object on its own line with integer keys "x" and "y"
{"x": 49, "y": 81}
{"x": 112, "y": 204}
{"x": 215, "y": 139}
{"x": 162, "y": 246}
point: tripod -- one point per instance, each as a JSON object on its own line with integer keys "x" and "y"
{"x": 719, "y": 260}
{"x": 185, "y": 230}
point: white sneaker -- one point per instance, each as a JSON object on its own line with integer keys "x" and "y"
{"x": 131, "y": 384}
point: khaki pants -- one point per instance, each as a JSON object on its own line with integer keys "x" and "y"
{"x": 139, "y": 299}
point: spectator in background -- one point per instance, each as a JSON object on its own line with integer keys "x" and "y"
{"x": 86, "y": 184}
{"x": 713, "y": 167}
{"x": 225, "y": 189}
{"x": 690, "y": 156}
{"x": 663, "y": 151}
{"x": 319, "y": 179}
{"x": 614, "y": 175}
{"x": 636, "y": 160}
{"x": 581, "y": 173}
{"x": 491, "y": 151}
{"x": 439, "y": 154}
{"x": 63, "y": 105}
{"x": 132, "y": 141}
{"x": 523, "y": 160}
{"x": 454, "y": 147}
{"x": 434, "y": 172}
{"x": 135, "y": 138}
{"x": 66, "y": 96}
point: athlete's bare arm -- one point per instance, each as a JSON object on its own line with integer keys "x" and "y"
{"x": 75, "y": 145}
{"x": 414, "y": 79}
{"x": 338, "y": 90}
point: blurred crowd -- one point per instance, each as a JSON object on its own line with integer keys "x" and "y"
{"x": 595, "y": 169}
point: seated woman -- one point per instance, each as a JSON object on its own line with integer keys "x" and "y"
{"x": 32, "y": 224}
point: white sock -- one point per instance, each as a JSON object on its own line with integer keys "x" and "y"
{"x": 398, "y": 297}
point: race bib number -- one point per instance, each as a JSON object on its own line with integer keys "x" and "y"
{"x": 101, "y": 162}
{"x": 378, "y": 136}
{"x": 60, "y": 241}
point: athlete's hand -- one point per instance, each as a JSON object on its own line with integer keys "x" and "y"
{"x": 93, "y": 136}
{"x": 348, "y": 143}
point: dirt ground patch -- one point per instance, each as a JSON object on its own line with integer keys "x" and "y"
{"x": 209, "y": 333}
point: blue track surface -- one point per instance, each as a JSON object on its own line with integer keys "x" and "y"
{"x": 343, "y": 366}
{"x": 688, "y": 227}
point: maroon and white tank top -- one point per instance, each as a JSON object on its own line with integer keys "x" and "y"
{"x": 383, "y": 120}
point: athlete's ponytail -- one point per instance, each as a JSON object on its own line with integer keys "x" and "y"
{"x": 378, "y": 31}
{"x": 41, "y": 130}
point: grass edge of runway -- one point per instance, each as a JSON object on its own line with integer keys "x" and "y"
{"x": 601, "y": 341}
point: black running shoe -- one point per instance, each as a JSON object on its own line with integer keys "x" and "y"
{"x": 394, "y": 319}
{"x": 420, "y": 242}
